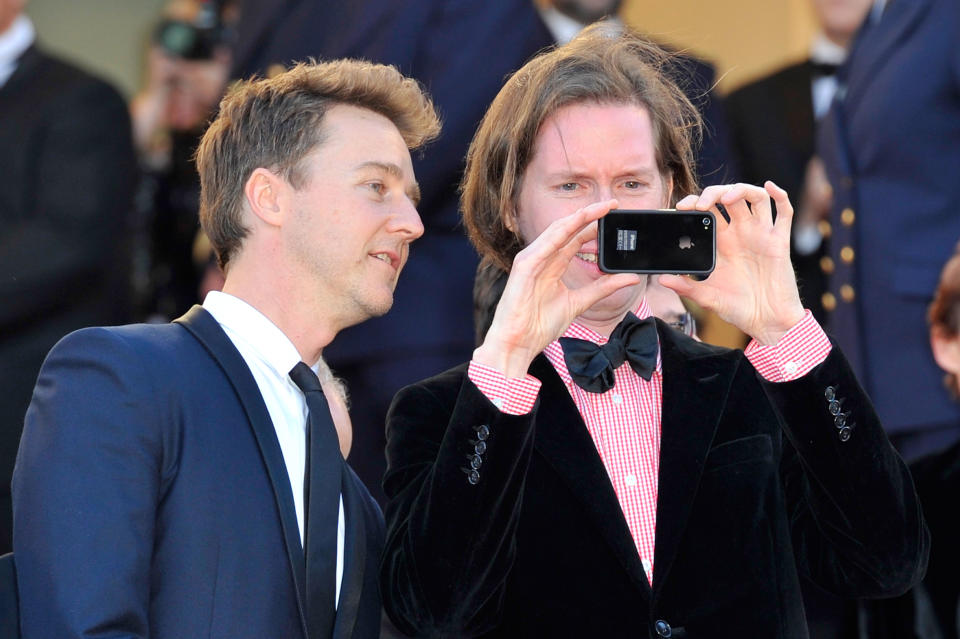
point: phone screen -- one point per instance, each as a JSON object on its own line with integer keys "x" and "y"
{"x": 657, "y": 241}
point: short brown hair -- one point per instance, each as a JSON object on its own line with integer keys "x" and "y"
{"x": 604, "y": 64}
{"x": 274, "y": 123}
{"x": 944, "y": 312}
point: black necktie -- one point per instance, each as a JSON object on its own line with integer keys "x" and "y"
{"x": 591, "y": 366}
{"x": 321, "y": 504}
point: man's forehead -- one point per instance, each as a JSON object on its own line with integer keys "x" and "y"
{"x": 574, "y": 137}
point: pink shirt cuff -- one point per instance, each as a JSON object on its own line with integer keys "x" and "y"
{"x": 513, "y": 396}
{"x": 801, "y": 349}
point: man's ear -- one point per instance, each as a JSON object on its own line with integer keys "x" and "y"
{"x": 510, "y": 220}
{"x": 946, "y": 350}
{"x": 264, "y": 191}
{"x": 668, "y": 189}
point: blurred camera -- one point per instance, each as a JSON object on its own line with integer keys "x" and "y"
{"x": 197, "y": 40}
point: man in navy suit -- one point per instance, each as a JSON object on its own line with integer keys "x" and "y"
{"x": 461, "y": 52}
{"x": 187, "y": 480}
{"x": 891, "y": 148}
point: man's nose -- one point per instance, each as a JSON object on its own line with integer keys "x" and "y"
{"x": 604, "y": 193}
{"x": 406, "y": 221}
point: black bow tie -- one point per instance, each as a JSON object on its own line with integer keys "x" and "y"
{"x": 824, "y": 69}
{"x": 591, "y": 366}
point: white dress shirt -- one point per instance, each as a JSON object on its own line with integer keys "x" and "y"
{"x": 13, "y": 42}
{"x": 563, "y": 28}
{"x": 271, "y": 355}
{"x": 823, "y": 51}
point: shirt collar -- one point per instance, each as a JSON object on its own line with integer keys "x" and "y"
{"x": 563, "y": 28}
{"x": 582, "y": 332}
{"x": 249, "y": 325}
{"x": 13, "y": 42}
{"x": 823, "y": 51}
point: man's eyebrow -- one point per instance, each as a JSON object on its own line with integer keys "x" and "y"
{"x": 394, "y": 170}
{"x": 570, "y": 173}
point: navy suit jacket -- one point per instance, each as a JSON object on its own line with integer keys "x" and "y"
{"x": 151, "y": 497}
{"x": 891, "y": 147}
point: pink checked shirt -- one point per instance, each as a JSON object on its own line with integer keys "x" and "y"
{"x": 625, "y": 422}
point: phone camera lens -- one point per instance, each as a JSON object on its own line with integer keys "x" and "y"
{"x": 706, "y": 221}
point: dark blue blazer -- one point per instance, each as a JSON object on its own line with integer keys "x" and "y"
{"x": 892, "y": 151}
{"x": 151, "y": 497}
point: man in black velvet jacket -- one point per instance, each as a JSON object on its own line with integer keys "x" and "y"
{"x": 678, "y": 496}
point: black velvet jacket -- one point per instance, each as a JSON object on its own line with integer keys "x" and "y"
{"x": 755, "y": 484}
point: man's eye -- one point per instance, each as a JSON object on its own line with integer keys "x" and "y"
{"x": 377, "y": 187}
{"x": 569, "y": 186}
{"x": 632, "y": 184}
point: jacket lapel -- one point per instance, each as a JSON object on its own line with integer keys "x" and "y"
{"x": 564, "y": 442}
{"x": 208, "y": 332}
{"x": 354, "y": 556}
{"x": 26, "y": 66}
{"x": 897, "y": 22}
{"x": 696, "y": 382}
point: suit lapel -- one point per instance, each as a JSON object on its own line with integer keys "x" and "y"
{"x": 898, "y": 21}
{"x": 26, "y": 65}
{"x": 564, "y": 442}
{"x": 208, "y": 332}
{"x": 354, "y": 555}
{"x": 696, "y": 381}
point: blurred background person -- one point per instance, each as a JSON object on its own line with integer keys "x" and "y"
{"x": 668, "y": 306}
{"x": 932, "y": 610}
{"x": 69, "y": 171}
{"x": 891, "y": 148}
{"x": 773, "y": 132}
{"x": 188, "y": 64}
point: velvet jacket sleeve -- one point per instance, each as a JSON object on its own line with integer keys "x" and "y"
{"x": 450, "y": 541}
{"x": 856, "y": 523}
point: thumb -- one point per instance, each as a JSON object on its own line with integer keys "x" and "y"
{"x": 682, "y": 286}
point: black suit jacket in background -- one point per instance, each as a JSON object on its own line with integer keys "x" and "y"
{"x": 773, "y": 136}
{"x": 68, "y": 169}
{"x": 755, "y": 484}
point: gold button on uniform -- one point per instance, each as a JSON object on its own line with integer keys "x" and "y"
{"x": 846, "y": 292}
{"x": 829, "y": 301}
{"x": 847, "y": 217}
{"x": 824, "y": 227}
{"x": 826, "y": 264}
{"x": 846, "y": 254}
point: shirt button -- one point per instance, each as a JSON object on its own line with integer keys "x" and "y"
{"x": 498, "y": 402}
{"x": 631, "y": 480}
{"x": 790, "y": 368}
{"x": 616, "y": 398}
{"x": 646, "y": 564}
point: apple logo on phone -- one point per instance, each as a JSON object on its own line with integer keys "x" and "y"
{"x": 685, "y": 242}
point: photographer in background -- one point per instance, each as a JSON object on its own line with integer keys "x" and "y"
{"x": 187, "y": 70}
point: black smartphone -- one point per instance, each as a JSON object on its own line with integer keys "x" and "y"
{"x": 658, "y": 241}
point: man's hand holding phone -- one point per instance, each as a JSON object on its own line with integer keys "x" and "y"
{"x": 753, "y": 285}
